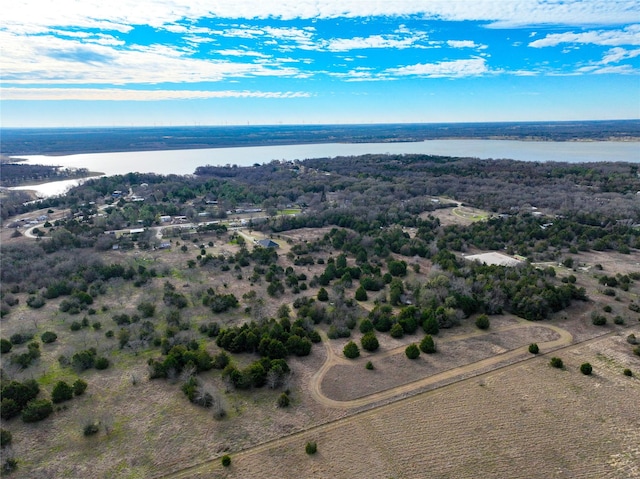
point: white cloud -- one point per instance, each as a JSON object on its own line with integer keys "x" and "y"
{"x": 618, "y": 54}
{"x": 626, "y": 36}
{"x": 36, "y": 16}
{"x": 373, "y": 41}
{"x": 455, "y": 68}
{"x": 465, "y": 44}
{"x": 58, "y": 60}
{"x": 115, "y": 94}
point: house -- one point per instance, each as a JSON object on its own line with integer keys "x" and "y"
{"x": 267, "y": 243}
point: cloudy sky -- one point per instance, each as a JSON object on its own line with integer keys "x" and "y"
{"x": 216, "y": 62}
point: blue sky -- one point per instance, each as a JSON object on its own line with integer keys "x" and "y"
{"x": 218, "y": 62}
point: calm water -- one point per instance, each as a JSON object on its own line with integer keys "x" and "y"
{"x": 186, "y": 161}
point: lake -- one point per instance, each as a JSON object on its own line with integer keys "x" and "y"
{"x": 186, "y": 161}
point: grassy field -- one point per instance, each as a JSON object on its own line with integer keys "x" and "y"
{"x": 512, "y": 417}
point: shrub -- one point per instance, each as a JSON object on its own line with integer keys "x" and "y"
{"x": 76, "y": 326}
{"x": 627, "y": 372}
{"x": 431, "y": 326}
{"x": 556, "y": 362}
{"x": 598, "y": 319}
{"x": 636, "y": 350}
{"x": 91, "y": 429}
{"x": 283, "y": 400}
{"x": 323, "y": 295}
{"x": 61, "y": 392}
{"x": 482, "y": 322}
{"x": 79, "y": 387}
{"x": 365, "y": 326}
{"x": 396, "y": 331}
{"x": 586, "y": 369}
{"x": 10, "y": 464}
{"x": 619, "y": 320}
{"x": 369, "y": 365}
{"x": 427, "y": 345}
{"x": 412, "y": 351}
{"x": 311, "y": 447}
{"x": 5, "y": 346}
{"x": 370, "y": 342}
{"x": 19, "y": 338}
{"x": 351, "y": 350}
{"x": 226, "y": 460}
{"x": 5, "y": 437}
{"x": 37, "y": 410}
{"x": 35, "y": 302}
{"x": 361, "y": 294}
{"x": 533, "y": 348}
{"x": 101, "y": 363}
{"x": 607, "y": 308}
{"x": 48, "y": 337}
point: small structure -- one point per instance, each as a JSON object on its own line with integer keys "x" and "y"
{"x": 267, "y": 243}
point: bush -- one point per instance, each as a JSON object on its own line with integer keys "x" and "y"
{"x": 619, "y": 320}
{"x": 431, "y": 326}
{"x": 283, "y": 400}
{"x": 627, "y": 372}
{"x": 226, "y": 460}
{"x": 556, "y": 362}
{"x": 61, "y": 392}
{"x": 365, "y": 326}
{"x": 76, "y": 326}
{"x": 361, "y": 294}
{"x": 5, "y": 346}
{"x": 396, "y": 331}
{"x": 586, "y": 369}
{"x": 631, "y": 339}
{"x": 48, "y": 337}
{"x": 370, "y": 342}
{"x": 37, "y": 410}
{"x": 533, "y": 348}
{"x": 351, "y": 350}
{"x": 323, "y": 295}
{"x": 79, "y": 387}
{"x": 482, "y": 322}
{"x": 369, "y": 365}
{"x": 636, "y": 350}
{"x": 5, "y": 437}
{"x": 311, "y": 447}
{"x": 427, "y": 345}
{"x": 101, "y": 363}
{"x": 412, "y": 351}
{"x": 91, "y": 429}
{"x": 598, "y": 319}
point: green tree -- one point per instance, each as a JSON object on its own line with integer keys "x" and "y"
{"x": 586, "y": 369}
{"x": 323, "y": 295}
{"x": 556, "y": 362}
{"x": 412, "y": 351}
{"x": 430, "y": 326}
{"x": 37, "y": 410}
{"x": 428, "y": 345}
{"x": 396, "y": 331}
{"x": 369, "y": 341}
{"x": 482, "y": 322}
{"x": 79, "y": 387}
{"x": 48, "y": 337}
{"x": 311, "y": 448}
{"x": 61, "y": 392}
{"x": 361, "y": 294}
{"x": 366, "y": 325}
{"x": 226, "y": 460}
{"x": 283, "y": 400}
{"x": 533, "y": 348}
{"x": 5, "y": 437}
{"x": 351, "y": 350}
{"x": 5, "y": 346}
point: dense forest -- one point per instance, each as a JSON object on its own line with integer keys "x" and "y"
{"x": 52, "y": 141}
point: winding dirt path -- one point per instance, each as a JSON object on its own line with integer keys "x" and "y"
{"x": 315, "y": 387}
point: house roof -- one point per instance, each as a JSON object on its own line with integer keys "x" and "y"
{"x": 267, "y": 243}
